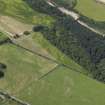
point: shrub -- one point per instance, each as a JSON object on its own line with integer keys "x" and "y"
{"x": 38, "y": 28}
{"x": 26, "y": 32}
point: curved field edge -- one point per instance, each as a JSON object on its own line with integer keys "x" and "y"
{"x": 88, "y": 8}
{"x": 56, "y": 53}
{"x": 60, "y": 87}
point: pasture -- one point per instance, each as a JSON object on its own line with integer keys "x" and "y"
{"x": 36, "y": 71}
{"x": 23, "y": 67}
{"x": 63, "y": 87}
{"x": 91, "y": 9}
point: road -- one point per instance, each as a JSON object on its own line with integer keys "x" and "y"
{"x": 7, "y": 96}
{"x": 75, "y": 16}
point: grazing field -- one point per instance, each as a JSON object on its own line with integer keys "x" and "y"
{"x": 29, "y": 43}
{"x": 38, "y": 72}
{"x": 21, "y": 11}
{"x": 13, "y": 26}
{"x": 8, "y": 102}
{"x": 22, "y": 68}
{"x": 37, "y": 43}
{"x": 56, "y": 53}
{"x": 66, "y": 3}
{"x": 64, "y": 87}
{"x": 2, "y": 37}
{"x": 91, "y": 9}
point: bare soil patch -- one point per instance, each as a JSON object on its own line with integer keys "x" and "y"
{"x": 13, "y": 26}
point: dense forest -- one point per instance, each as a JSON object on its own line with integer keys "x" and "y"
{"x": 82, "y": 45}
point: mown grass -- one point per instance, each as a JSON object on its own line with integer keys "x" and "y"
{"x": 91, "y": 9}
{"x": 8, "y": 102}
{"x": 64, "y": 87}
{"x": 22, "y": 68}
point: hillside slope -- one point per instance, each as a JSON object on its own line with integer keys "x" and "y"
{"x": 52, "y": 66}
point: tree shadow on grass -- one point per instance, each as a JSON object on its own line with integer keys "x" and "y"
{"x": 2, "y": 70}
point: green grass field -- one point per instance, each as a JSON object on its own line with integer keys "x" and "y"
{"x": 91, "y": 9}
{"x": 38, "y": 80}
{"x": 21, "y": 66}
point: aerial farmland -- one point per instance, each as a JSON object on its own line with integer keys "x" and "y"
{"x": 52, "y": 52}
